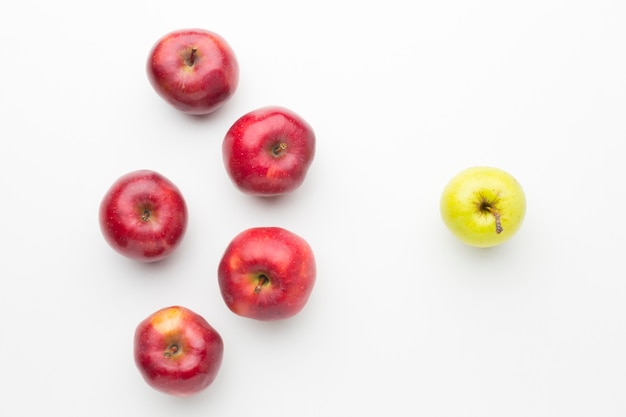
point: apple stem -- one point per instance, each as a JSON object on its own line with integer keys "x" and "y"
{"x": 263, "y": 279}
{"x": 145, "y": 215}
{"x": 278, "y": 149}
{"x": 499, "y": 229}
{"x": 191, "y": 59}
{"x": 486, "y": 206}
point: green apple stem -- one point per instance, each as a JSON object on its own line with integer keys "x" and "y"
{"x": 263, "y": 280}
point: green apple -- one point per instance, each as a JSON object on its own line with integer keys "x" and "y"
{"x": 483, "y": 206}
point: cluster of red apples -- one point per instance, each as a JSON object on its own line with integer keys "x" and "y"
{"x": 266, "y": 273}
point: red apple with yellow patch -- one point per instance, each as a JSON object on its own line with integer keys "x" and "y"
{"x": 177, "y": 351}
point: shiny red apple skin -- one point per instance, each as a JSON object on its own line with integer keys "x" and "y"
{"x": 195, "y": 70}
{"x": 267, "y": 273}
{"x": 143, "y": 216}
{"x": 268, "y": 151}
{"x": 177, "y": 351}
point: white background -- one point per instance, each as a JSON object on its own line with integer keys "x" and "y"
{"x": 404, "y": 319}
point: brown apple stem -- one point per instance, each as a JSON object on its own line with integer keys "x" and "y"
{"x": 263, "y": 279}
{"x": 145, "y": 215}
{"x": 191, "y": 59}
{"x": 280, "y": 148}
{"x": 487, "y": 206}
{"x": 496, "y": 214}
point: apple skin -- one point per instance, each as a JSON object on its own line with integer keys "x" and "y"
{"x": 483, "y": 206}
{"x": 268, "y": 151}
{"x": 177, "y": 351}
{"x": 195, "y": 70}
{"x": 143, "y": 216}
{"x": 267, "y": 273}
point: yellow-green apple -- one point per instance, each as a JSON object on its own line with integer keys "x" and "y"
{"x": 268, "y": 151}
{"x": 483, "y": 206}
{"x": 177, "y": 351}
{"x": 267, "y": 273}
{"x": 195, "y": 70}
{"x": 143, "y": 216}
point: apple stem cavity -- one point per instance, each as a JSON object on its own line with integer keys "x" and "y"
{"x": 263, "y": 280}
{"x": 145, "y": 215}
{"x": 279, "y": 149}
{"x": 171, "y": 351}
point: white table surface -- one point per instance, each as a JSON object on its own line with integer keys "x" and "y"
{"x": 404, "y": 319}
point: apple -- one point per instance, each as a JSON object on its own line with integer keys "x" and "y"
{"x": 267, "y": 273}
{"x": 177, "y": 351}
{"x": 195, "y": 70}
{"x": 143, "y": 216}
{"x": 483, "y": 206}
{"x": 268, "y": 151}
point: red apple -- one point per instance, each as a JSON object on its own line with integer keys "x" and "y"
{"x": 195, "y": 70}
{"x": 143, "y": 216}
{"x": 177, "y": 351}
{"x": 268, "y": 151}
{"x": 267, "y": 273}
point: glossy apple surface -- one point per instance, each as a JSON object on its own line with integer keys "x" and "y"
{"x": 267, "y": 273}
{"x": 143, "y": 216}
{"x": 268, "y": 151}
{"x": 177, "y": 351}
{"x": 195, "y": 70}
{"x": 483, "y": 206}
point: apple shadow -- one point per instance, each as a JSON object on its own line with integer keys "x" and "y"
{"x": 299, "y": 194}
{"x": 155, "y": 269}
{"x": 272, "y": 201}
{"x": 188, "y": 404}
{"x": 202, "y": 118}
{"x": 492, "y": 267}
{"x": 272, "y": 329}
